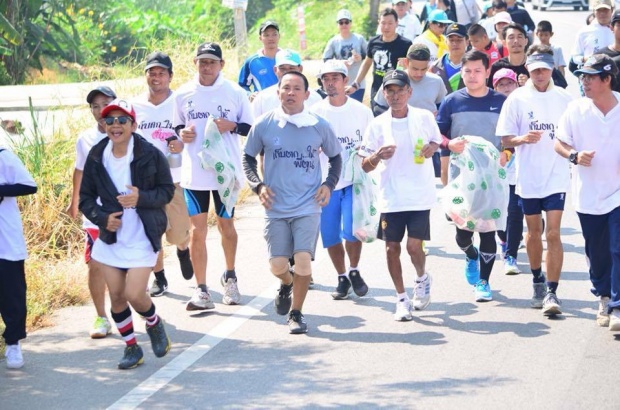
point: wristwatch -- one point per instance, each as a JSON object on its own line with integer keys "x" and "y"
{"x": 572, "y": 157}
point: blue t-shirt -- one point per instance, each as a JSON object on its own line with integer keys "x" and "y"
{"x": 257, "y": 72}
{"x": 461, "y": 114}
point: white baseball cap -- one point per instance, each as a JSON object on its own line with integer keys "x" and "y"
{"x": 333, "y": 66}
{"x": 344, "y": 14}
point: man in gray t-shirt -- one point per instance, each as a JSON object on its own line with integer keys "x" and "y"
{"x": 292, "y": 192}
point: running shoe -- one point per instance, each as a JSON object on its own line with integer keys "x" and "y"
{"x": 504, "y": 247}
{"x": 510, "y": 266}
{"x": 472, "y": 270}
{"x": 297, "y": 323}
{"x": 231, "y": 291}
{"x": 540, "y": 290}
{"x": 14, "y": 357}
{"x": 551, "y": 305}
{"x": 602, "y": 316}
{"x": 101, "y": 328}
{"x": 614, "y": 320}
{"x": 284, "y": 299}
{"x": 422, "y": 293}
{"x": 159, "y": 339}
{"x": 187, "y": 270}
{"x": 343, "y": 288}
{"x": 200, "y": 301}
{"x": 403, "y": 311}
{"x": 159, "y": 286}
{"x": 132, "y": 357}
{"x": 482, "y": 291}
{"x": 359, "y": 286}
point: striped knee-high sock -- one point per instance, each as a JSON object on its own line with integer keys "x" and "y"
{"x": 124, "y": 323}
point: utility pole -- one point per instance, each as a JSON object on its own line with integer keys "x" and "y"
{"x": 241, "y": 31}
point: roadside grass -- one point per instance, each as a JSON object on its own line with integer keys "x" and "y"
{"x": 55, "y": 272}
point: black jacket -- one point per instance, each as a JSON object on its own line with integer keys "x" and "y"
{"x": 149, "y": 172}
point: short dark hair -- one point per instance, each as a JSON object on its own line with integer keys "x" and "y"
{"x": 614, "y": 80}
{"x": 476, "y": 30}
{"x": 475, "y": 55}
{"x": 539, "y": 49}
{"x": 388, "y": 11}
{"x": 514, "y": 26}
{"x": 544, "y": 26}
{"x": 298, "y": 74}
{"x": 499, "y": 4}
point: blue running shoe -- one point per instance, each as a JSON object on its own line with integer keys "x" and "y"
{"x": 510, "y": 266}
{"x": 504, "y": 247}
{"x": 472, "y": 270}
{"x": 482, "y": 291}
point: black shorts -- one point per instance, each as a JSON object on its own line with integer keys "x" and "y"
{"x": 392, "y": 225}
{"x": 198, "y": 203}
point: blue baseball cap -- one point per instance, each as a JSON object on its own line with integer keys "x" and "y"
{"x": 439, "y": 16}
{"x": 287, "y": 56}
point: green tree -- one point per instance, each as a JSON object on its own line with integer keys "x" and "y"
{"x": 31, "y": 29}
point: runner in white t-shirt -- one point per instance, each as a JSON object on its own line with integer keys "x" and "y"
{"x": 154, "y": 118}
{"x": 97, "y": 99}
{"x": 588, "y": 137}
{"x": 349, "y": 119}
{"x": 407, "y": 184}
{"x": 528, "y": 122}
{"x": 14, "y": 181}
{"x": 210, "y": 94}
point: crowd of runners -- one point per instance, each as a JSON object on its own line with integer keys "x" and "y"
{"x": 152, "y": 166}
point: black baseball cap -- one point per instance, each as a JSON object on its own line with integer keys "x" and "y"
{"x": 209, "y": 50}
{"x": 597, "y": 64}
{"x": 267, "y": 24}
{"x": 397, "y": 77}
{"x": 456, "y": 29}
{"x": 616, "y": 17}
{"x": 102, "y": 89}
{"x": 158, "y": 59}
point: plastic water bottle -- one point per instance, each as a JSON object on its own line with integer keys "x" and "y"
{"x": 417, "y": 153}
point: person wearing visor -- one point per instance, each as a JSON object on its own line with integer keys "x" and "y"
{"x": 528, "y": 123}
{"x": 588, "y": 138}
{"x": 125, "y": 188}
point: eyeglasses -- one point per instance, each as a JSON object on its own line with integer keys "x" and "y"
{"x": 344, "y": 22}
{"x": 396, "y": 92}
{"x": 441, "y": 25}
{"x": 121, "y": 120}
{"x": 586, "y": 78}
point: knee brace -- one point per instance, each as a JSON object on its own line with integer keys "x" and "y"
{"x": 279, "y": 266}
{"x": 302, "y": 264}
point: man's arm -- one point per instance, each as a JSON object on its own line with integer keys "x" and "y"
{"x": 250, "y": 168}
{"x": 333, "y": 173}
{"x": 350, "y": 89}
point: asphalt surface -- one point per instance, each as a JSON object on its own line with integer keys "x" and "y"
{"x": 455, "y": 354}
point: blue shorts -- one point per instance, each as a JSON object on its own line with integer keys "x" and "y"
{"x": 535, "y": 206}
{"x": 337, "y": 218}
{"x": 198, "y": 203}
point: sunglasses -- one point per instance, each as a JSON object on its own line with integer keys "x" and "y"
{"x": 441, "y": 25}
{"x": 121, "y": 120}
{"x": 344, "y": 22}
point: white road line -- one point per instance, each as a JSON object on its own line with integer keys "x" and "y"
{"x": 195, "y": 352}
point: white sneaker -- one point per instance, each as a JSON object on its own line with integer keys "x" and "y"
{"x": 614, "y": 320}
{"x": 602, "y": 317}
{"x": 14, "y": 358}
{"x": 231, "y": 291}
{"x": 403, "y": 311}
{"x": 101, "y": 328}
{"x": 200, "y": 301}
{"x": 422, "y": 293}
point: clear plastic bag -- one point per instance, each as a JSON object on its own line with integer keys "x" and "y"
{"x": 476, "y": 198}
{"x": 215, "y": 155}
{"x": 365, "y": 214}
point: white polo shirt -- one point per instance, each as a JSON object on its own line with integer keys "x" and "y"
{"x": 596, "y": 189}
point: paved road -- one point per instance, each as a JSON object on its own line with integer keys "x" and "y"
{"x": 457, "y": 353}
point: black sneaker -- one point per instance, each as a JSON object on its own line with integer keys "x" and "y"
{"x": 283, "y": 299}
{"x": 186, "y": 263}
{"x": 297, "y": 323}
{"x": 159, "y": 286}
{"x": 359, "y": 286}
{"x": 159, "y": 338}
{"x": 132, "y": 357}
{"x": 343, "y": 289}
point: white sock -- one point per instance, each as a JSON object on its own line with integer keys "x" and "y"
{"x": 402, "y": 296}
{"x": 422, "y": 278}
{"x": 352, "y": 268}
{"x": 342, "y": 274}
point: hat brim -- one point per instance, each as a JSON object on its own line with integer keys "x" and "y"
{"x": 157, "y": 65}
{"x": 497, "y": 80}
{"x": 602, "y": 6}
{"x": 442, "y": 21}
{"x": 456, "y": 34}
{"x": 321, "y": 74}
{"x": 93, "y": 93}
{"x": 587, "y": 70}
{"x": 289, "y": 62}
{"x": 538, "y": 64}
{"x": 395, "y": 81}
{"x": 109, "y": 108}
{"x": 262, "y": 30}
{"x": 208, "y": 57}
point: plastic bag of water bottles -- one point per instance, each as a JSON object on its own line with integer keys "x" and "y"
{"x": 215, "y": 155}
{"x": 476, "y": 197}
{"x": 365, "y": 214}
